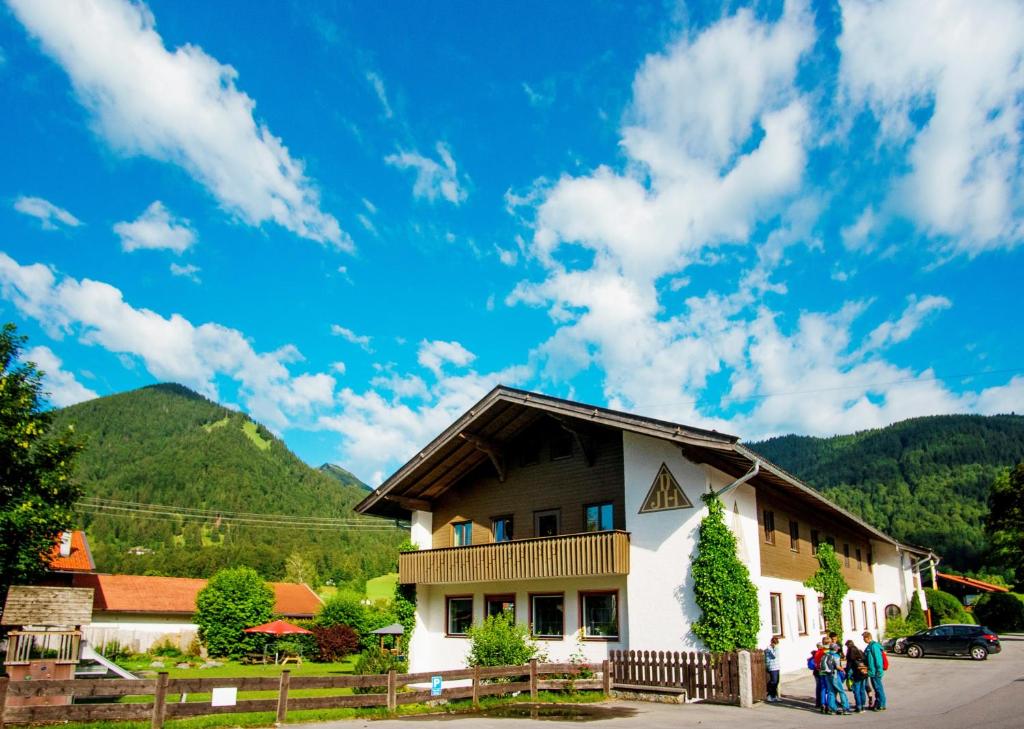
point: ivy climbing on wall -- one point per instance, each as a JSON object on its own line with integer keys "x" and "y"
{"x": 830, "y": 583}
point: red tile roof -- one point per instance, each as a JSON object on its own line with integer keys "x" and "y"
{"x": 971, "y": 582}
{"x": 80, "y": 559}
{"x": 148, "y": 594}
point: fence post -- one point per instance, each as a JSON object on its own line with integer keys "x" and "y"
{"x": 746, "y": 680}
{"x": 533, "y": 679}
{"x": 606, "y": 677}
{"x": 476, "y": 686}
{"x": 392, "y": 691}
{"x": 282, "y": 697}
{"x": 3, "y": 699}
{"x": 160, "y": 700}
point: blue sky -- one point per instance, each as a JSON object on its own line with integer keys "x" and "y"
{"x": 351, "y": 220}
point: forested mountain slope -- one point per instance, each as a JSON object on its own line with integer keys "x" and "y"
{"x": 924, "y": 480}
{"x": 167, "y": 445}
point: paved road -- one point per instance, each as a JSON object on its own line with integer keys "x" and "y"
{"x": 927, "y": 693}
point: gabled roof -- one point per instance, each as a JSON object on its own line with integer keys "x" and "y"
{"x": 149, "y": 594}
{"x": 80, "y": 558}
{"x": 505, "y": 412}
{"x": 971, "y": 582}
{"x": 47, "y": 606}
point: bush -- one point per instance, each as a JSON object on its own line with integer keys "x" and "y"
{"x": 374, "y": 661}
{"x": 946, "y": 608}
{"x": 915, "y": 616}
{"x": 1001, "y": 611}
{"x": 897, "y": 628}
{"x": 335, "y": 642}
{"x": 498, "y": 641}
{"x": 115, "y": 651}
{"x": 233, "y": 600}
{"x": 343, "y": 609}
{"x": 165, "y": 649}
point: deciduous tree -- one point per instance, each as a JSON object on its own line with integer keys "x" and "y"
{"x": 1004, "y": 525}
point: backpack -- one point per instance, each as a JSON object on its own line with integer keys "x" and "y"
{"x": 811, "y": 663}
{"x": 885, "y": 660}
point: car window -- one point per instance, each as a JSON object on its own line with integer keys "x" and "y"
{"x": 941, "y": 632}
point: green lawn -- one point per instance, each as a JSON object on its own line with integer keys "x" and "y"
{"x": 234, "y": 669}
{"x": 381, "y": 588}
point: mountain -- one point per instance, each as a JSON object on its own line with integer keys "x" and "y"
{"x": 169, "y": 446}
{"x": 341, "y": 475}
{"x": 924, "y": 481}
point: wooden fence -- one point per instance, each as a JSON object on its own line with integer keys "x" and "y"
{"x": 702, "y": 676}
{"x": 393, "y": 689}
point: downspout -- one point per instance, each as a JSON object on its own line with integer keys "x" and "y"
{"x": 741, "y": 480}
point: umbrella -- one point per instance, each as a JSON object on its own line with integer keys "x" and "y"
{"x": 278, "y": 627}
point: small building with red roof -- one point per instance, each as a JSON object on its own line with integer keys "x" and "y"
{"x": 71, "y": 554}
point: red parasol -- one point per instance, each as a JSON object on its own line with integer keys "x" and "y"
{"x": 278, "y": 627}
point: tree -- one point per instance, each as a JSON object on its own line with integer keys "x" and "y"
{"x": 233, "y": 600}
{"x": 498, "y": 641}
{"x": 1004, "y": 525}
{"x": 915, "y": 615}
{"x": 829, "y": 581}
{"x": 1001, "y": 611}
{"x": 37, "y": 491}
{"x": 301, "y": 570}
{"x": 721, "y": 586}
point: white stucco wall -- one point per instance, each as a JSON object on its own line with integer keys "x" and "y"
{"x": 430, "y": 649}
{"x": 139, "y": 631}
{"x": 421, "y": 529}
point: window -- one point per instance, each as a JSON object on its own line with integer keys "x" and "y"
{"x": 459, "y": 614}
{"x": 501, "y": 528}
{"x": 463, "y": 533}
{"x": 801, "y": 615}
{"x": 831, "y": 541}
{"x": 853, "y": 615}
{"x": 822, "y": 625}
{"x": 871, "y": 561}
{"x": 769, "y": 526}
{"x": 599, "y": 615}
{"x": 561, "y": 446}
{"x": 546, "y": 523}
{"x": 874, "y": 613}
{"x": 864, "y": 612}
{"x": 776, "y": 603}
{"x": 597, "y": 518}
{"x": 860, "y": 564}
{"x": 794, "y": 536}
{"x": 500, "y": 605}
{"x": 846, "y": 555}
{"x": 547, "y": 616}
{"x": 893, "y": 611}
{"x": 815, "y": 541}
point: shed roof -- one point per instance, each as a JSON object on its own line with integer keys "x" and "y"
{"x": 80, "y": 559}
{"x": 48, "y": 606}
{"x": 971, "y": 582}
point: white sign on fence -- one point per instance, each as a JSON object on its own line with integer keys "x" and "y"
{"x": 224, "y": 697}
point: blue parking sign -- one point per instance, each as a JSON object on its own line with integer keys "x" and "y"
{"x": 435, "y": 685}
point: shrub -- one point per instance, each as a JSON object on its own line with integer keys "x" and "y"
{"x": 233, "y": 600}
{"x": 343, "y": 608}
{"x": 115, "y": 651}
{"x": 915, "y": 616}
{"x": 374, "y": 661}
{"x": 897, "y": 628}
{"x": 498, "y": 641}
{"x": 946, "y": 608}
{"x": 335, "y": 642}
{"x": 1001, "y": 611}
{"x": 165, "y": 649}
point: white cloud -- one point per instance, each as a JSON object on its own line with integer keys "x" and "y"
{"x": 899, "y": 330}
{"x": 435, "y": 354}
{"x": 858, "y": 236}
{"x": 188, "y": 271}
{"x": 338, "y": 367}
{"x": 507, "y": 256}
{"x": 350, "y": 336}
{"x": 179, "y": 106}
{"x": 433, "y": 179}
{"x": 171, "y": 348}
{"x": 382, "y": 94}
{"x": 156, "y": 228}
{"x": 50, "y": 216}
{"x": 958, "y": 66}
{"x": 62, "y": 386}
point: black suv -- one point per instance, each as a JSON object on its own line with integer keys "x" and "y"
{"x": 975, "y": 641}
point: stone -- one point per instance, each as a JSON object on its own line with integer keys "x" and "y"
{"x": 156, "y": 664}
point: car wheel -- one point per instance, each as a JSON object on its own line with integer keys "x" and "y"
{"x": 914, "y": 651}
{"x": 979, "y": 652}
{"x": 897, "y": 648}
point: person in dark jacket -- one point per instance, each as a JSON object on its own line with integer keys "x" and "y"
{"x": 857, "y": 671}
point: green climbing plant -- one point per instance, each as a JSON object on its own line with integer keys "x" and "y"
{"x": 727, "y": 599}
{"x": 829, "y": 581}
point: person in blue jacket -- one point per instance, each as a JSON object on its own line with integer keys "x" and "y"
{"x": 876, "y": 669}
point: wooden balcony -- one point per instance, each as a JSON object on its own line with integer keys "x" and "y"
{"x": 572, "y": 555}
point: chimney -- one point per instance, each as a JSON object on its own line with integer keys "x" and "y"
{"x": 65, "y": 544}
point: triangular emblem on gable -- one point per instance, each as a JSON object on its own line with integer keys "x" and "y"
{"x": 665, "y": 493}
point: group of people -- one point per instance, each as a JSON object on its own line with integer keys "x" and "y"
{"x": 859, "y": 670}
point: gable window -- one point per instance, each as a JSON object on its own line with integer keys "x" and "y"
{"x": 459, "y": 614}
{"x": 462, "y": 533}
{"x": 599, "y": 615}
{"x": 846, "y": 555}
{"x": 501, "y": 528}
{"x": 776, "y": 605}
{"x": 815, "y": 541}
{"x": 860, "y": 563}
{"x": 546, "y": 523}
{"x": 597, "y": 517}
{"x": 769, "y": 526}
{"x": 560, "y": 446}
{"x": 801, "y": 615}
{"x": 547, "y": 616}
{"x": 794, "y": 535}
{"x": 853, "y": 615}
{"x": 500, "y": 605}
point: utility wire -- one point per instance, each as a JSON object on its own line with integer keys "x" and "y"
{"x": 268, "y": 525}
{"x": 226, "y": 514}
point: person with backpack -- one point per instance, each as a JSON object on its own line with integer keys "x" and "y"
{"x": 857, "y": 672}
{"x": 812, "y": 666}
{"x": 841, "y": 701}
{"x": 821, "y": 691}
{"x": 827, "y": 668}
{"x": 877, "y": 662}
{"x": 772, "y": 665}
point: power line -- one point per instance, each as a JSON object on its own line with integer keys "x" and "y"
{"x": 226, "y": 514}
{"x": 145, "y": 516}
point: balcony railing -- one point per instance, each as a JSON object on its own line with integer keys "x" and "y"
{"x": 572, "y": 555}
